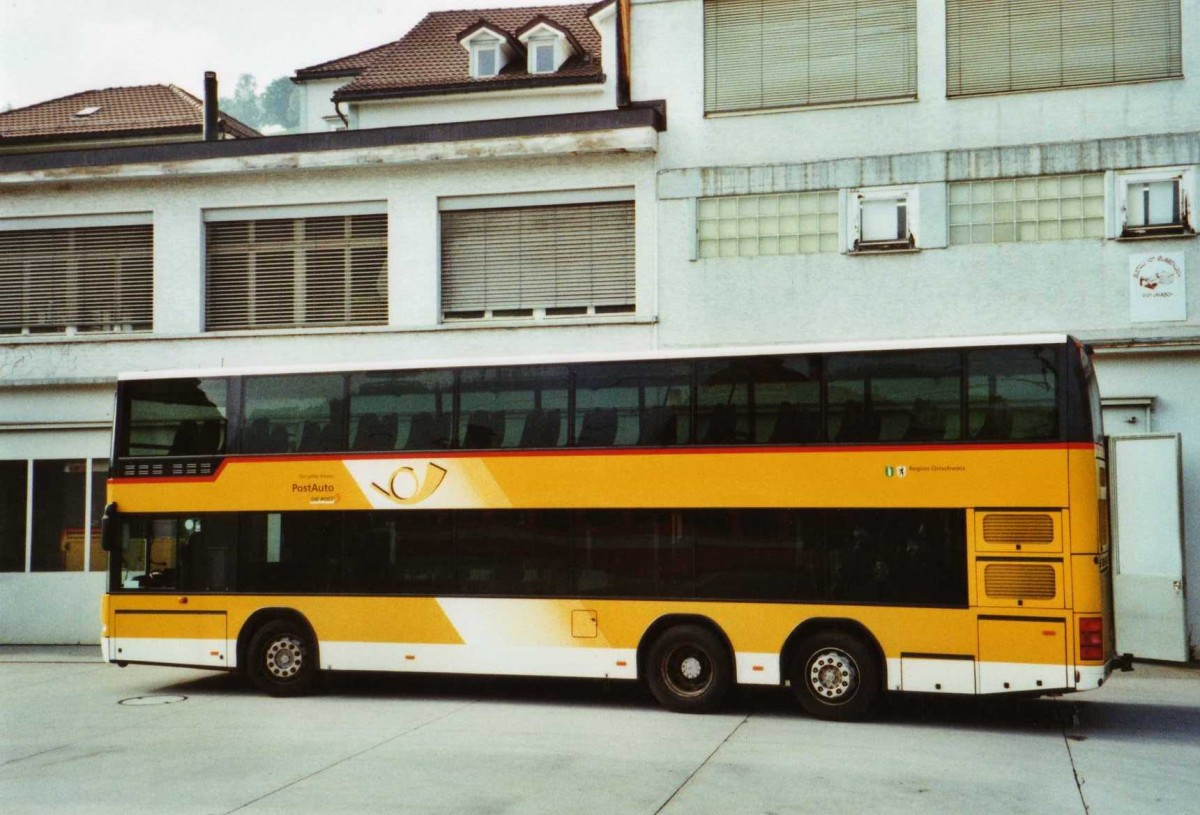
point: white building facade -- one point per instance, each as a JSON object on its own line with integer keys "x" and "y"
{"x": 891, "y": 178}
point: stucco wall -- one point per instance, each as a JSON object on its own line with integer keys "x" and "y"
{"x": 668, "y": 64}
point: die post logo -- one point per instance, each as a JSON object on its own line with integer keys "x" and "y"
{"x": 405, "y": 487}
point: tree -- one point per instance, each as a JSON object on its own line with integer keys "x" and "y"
{"x": 280, "y": 104}
{"x": 244, "y": 105}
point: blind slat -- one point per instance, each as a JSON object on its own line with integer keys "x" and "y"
{"x": 538, "y": 257}
{"x": 296, "y": 272}
{"x": 81, "y": 279}
{"x": 783, "y": 53}
{"x": 1012, "y": 45}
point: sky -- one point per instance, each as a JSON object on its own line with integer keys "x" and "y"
{"x": 53, "y": 48}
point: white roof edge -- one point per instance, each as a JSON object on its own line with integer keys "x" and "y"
{"x": 553, "y": 359}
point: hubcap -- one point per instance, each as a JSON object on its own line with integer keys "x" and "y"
{"x": 686, "y": 671}
{"x": 832, "y": 676}
{"x": 285, "y": 657}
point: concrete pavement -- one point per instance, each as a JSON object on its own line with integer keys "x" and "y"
{"x": 77, "y": 735}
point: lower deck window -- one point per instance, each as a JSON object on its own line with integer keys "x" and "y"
{"x": 875, "y": 556}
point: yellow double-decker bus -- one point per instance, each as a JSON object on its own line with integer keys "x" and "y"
{"x": 847, "y": 520}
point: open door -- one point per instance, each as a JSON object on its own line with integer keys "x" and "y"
{"x": 1147, "y": 523}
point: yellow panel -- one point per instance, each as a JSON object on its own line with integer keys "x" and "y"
{"x": 188, "y": 625}
{"x": 1023, "y": 641}
{"x": 929, "y": 476}
{"x": 1088, "y": 584}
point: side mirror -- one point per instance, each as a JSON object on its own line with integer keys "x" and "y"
{"x": 109, "y": 528}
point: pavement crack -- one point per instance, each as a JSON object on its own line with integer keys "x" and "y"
{"x": 350, "y": 757}
{"x": 1074, "y": 722}
{"x": 702, "y": 764}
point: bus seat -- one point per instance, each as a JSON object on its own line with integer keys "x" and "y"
{"x": 859, "y": 423}
{"x": 364, "y": 431}
{"x": 187, "y": 439}
{"x": 794, "y": 424}
{"x": 928, "y": 422}
{"x": 481, "y": 432}
{"x": 428, "y": 432}
{"x": 658, "y": 427}
{"x": 997, "y": 422}
{"x": 310, "y": 437}
{"x": 542, "y": 428}
{"x": 599, "y": 428}
{"x": 258, "y": 436}
{"x": 210, "y": 442}
{"x": 279, "y": 442}
{"x": 387, "y": 427}
{"x": 722, "y": 426}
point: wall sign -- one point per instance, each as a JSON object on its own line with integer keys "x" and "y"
{"x": 1157, "y": 290}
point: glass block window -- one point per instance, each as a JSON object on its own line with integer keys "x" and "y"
{"x": 1042, "y": 208}
{"x": 753, "y": 225}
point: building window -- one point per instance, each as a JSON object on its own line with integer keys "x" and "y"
{"x": 52, "y": 510}
{"x": 882, "y": 219}
{"x": 762, "y": 54}
{"x": 765, "y": 225}
{"x": 485, "y": 57}
{"x": 542, "y": 59}
{"x": 1044, "y": 208}
{"x": 538, "y": 261}
{"x": 1001, "y": 46}
{"x": 296, "y": 272}
{"x": 1156, "y": 203}
{"x": 76, "y": 280}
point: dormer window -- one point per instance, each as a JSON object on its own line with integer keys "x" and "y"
{"x": 547, "y": 45}
{"x": 542, "y": 57}
{"x": 485, "y": 57}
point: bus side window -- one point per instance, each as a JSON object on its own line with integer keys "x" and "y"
{"x": 1012, "y": 393}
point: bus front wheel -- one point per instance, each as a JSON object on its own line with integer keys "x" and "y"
{"x": 283, "y": 659}
{"x": 835, "y": 675}
{"x": 688, "y": 669}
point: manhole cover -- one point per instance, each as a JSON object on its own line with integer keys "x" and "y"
{"x": 152, "y": 700}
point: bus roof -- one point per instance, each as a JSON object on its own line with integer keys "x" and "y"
{"x": 630, "y": 356}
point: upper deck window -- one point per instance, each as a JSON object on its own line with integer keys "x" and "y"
{"x": 176, "y": 417}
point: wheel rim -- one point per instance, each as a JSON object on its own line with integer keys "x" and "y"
{"x": 832, "y": 676}
{"x": 687, "y": 671}
{"x": 284, "y": 658}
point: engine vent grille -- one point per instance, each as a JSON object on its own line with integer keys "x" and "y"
{"x": 1019, "y": 581}
{"x": 1018, "y": 528}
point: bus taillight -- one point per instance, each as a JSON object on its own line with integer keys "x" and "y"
{"x": 1091, "y": 638}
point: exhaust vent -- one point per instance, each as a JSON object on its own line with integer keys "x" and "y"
{"x": 1018, "y": 528}
{"x": 1019, "y": 581}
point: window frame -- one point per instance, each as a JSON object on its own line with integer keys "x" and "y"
{"x": 478, "y": 47}
{"x": 908, "y": 196}
{"x": 1185, "y": 196}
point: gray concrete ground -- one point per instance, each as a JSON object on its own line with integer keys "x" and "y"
{"x": 77, "y": 735}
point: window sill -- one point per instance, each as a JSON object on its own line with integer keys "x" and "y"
{"x": 866, "y": 103}
{"x": 865, "y": 252}
{"x": 1161, "y": 236}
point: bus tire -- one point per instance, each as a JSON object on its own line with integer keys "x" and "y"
{"x": 836, "y": 676}
{"x": 688, "y": 669}
{"x": 283, "y": 659}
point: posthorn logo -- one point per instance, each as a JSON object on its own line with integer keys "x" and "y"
{"x": 405, "y": 487}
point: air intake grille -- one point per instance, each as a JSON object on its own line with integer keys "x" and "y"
{"x": 1026, "y": 528}
{"x": 1020, "y": 581}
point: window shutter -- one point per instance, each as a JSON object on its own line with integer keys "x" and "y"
{"x": 296, "y": 272}
{"x": 784, "y": 53}
{"x": 1015, "y": 45}
{"x": 569, "y": 256}
{"x": 78, "y": 279}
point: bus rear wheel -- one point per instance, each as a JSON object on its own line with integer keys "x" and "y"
{"x": 688, "y": 669}
{"x": 836, "y": 676}
{"x": 283, "y": 659}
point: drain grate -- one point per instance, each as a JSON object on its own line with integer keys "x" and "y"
{"x": 160, "y": 699}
